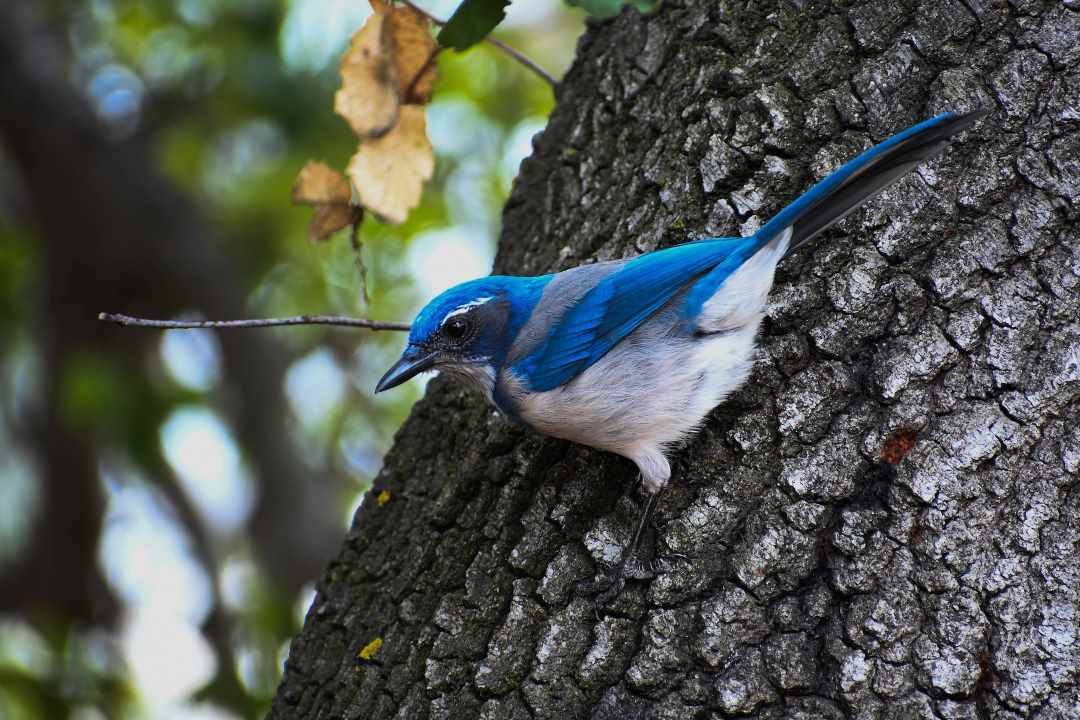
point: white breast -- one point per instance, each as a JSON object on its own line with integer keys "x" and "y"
{"x": 639, "y": 403}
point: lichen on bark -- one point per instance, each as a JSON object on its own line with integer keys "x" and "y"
{"x": 886, "y": 521}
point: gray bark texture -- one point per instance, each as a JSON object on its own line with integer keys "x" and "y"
{"x": 885, "y": 522}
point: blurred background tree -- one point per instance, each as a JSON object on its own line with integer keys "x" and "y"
{"x": 166, "y": 499}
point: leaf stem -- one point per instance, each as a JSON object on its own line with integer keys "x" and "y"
{"x": 341, "y": 320}
{"x": 512, "y": 52}
{"x": 358, "y": 258}
{"x": 420, "y": 73}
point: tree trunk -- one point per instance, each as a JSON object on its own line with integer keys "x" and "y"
{"x": 885, "y": 521}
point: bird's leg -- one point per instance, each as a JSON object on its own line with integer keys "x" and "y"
{"x": 635, "y": 567}
{"x": 630, "y": 555}
{"x": 606, "y": 587}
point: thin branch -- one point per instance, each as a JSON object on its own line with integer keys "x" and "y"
{"x": 512, "y": 52}
{"x": 523, "y": 59}
{"x": 127, "y": 320}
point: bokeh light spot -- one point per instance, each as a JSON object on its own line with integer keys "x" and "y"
{"x": 315, "y": 32}
{"x": 315, "y": 385}
{"x": 202, "y": 451}
{"x": 440, "y": 259}
{"x": 192, "y": 358}
{"x": 146, "y": 554}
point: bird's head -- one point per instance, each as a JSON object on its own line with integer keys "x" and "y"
{"x": 464, "y": 330}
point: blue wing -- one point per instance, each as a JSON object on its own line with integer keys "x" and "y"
{"x": 619, "y": 303}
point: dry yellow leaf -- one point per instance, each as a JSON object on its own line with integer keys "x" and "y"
{"x": 383, "y": 497}
{"x": 386, "y": 75}
{"x": 318, "y": 183}
{"x": 369, "y": 95}
{"x": 369, "y": 650}
{"x": 389, "y": 172}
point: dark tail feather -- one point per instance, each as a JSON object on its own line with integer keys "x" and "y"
{"x": 861, "y": 179}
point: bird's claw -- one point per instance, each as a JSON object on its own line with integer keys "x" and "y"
{"x": 611, "y": 579}
{"x": 604, "y": 587}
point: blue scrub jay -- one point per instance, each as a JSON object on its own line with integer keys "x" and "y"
{"x": 631, "y": 355}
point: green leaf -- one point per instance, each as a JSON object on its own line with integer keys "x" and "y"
{"x": 607, "y": 8}
{"x": 472, "y": 22}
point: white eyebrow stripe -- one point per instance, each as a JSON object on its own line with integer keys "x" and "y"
{"x": 466, "y": 308}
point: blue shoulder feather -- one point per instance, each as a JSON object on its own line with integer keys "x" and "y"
{"x": 618, "y": 304}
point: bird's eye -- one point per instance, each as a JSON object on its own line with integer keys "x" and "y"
{"x": 456, "y": 328}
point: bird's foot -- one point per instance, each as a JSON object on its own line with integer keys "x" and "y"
{"x": 611, "y": 579}
{"x": 604, "y": 587}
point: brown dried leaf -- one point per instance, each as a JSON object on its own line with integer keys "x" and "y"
{"x": 389, "y": 61}
{"x": 369, "y": 95}
{"x": 328, "y": 219}
{"x": 318, "y": 183}
{"x": 414, "y": 53}
{"x": 389, "y": 172}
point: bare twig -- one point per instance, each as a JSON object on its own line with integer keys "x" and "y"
{"x": 523, "y": 59}
{"x": 258, "y": 322}
{"x": 512, "y": 52}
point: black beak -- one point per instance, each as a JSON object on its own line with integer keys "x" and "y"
{"x": 413, "y": 362}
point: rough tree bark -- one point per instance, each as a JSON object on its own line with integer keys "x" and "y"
{"x": 884, "y": 523}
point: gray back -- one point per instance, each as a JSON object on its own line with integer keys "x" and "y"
{"x": 561, "y": 294}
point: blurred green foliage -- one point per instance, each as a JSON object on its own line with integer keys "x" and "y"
{"x": 231, "y": 97}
